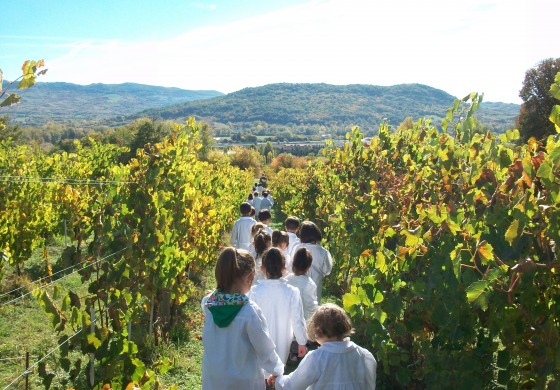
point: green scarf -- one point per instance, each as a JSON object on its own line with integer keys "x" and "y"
{"x": 224, "y": 307}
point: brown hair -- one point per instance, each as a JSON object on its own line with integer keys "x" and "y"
{"x": 257, "y": 227}
{"x": 291, "y": 223}
{"x": 264, "y": 214}
{"x": 232, "y": 265}
{"x": 279, "y": 237}
{"x": 309, "y": 232}
{"x": 274, "y": 263}
{"x": 245, "y": 208}
{"x": 328, "y": 321}
{"x": 262, "y": 241}
{"x": 302, "y": 261}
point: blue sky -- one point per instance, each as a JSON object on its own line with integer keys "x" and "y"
{"x": 226, "y": 45}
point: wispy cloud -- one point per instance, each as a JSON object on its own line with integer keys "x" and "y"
{"x": 476, "y": 45}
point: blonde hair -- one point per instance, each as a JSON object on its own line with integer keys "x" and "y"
{"x": 328, "y": 321}
{"x": 232, "y": 265}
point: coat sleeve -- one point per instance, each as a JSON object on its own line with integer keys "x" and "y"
{"x": 371, "y": 368}
{"x": 263, "y": 345}
{"x": 327, "y": 264}
{"x": 304, "y": 376}
{"x": 311, "y": 293}
{"x": 235, "y": 235}
{"x": 298, "y": 320}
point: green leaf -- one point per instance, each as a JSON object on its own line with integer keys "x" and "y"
{"x": 486, "y": 252}
{"x": 349, "y": 300}
{"x": 11, "y": 99}
{"x": 514, "y": 231}
{"x": 476, "y": 290}
{"x": 92, "y": 340}
{"x": 555, "y": 117}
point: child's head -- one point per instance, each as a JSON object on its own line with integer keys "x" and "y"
{"x": 302, "y": 261}
{"x": 329, "y": 322}
{"x": 253, "y": 212}
{"x": 265, "y": 216}
{"x": 273, "y": 263}
{"x": 262, "y": 242}
{"x": 245, "y": 208}
{"x": 255, "y": 194}
{"x": 257, "y": 227}
{"x": 250, "y": 197}
{"x": 232, "y": 267}
{"x": 309, "y": 233}
{"x": 280, "y": 239}
{"x": 265, "y": 194}
{"x": 291, "y": 224}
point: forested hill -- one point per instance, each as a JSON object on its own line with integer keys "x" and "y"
{"x": 85, "y": 105}
{"x": 332, "y": 106}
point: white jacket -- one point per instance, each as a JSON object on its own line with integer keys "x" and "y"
{"x": 308, "y": 291}
{"x": 294, "y": 240}
{"x": 241, "y": 233}
{"x": 336, "y": 365}
{"x": 320, "y": 267}
{"x": 235, "y": 356}
{"x": 283, "y": 310}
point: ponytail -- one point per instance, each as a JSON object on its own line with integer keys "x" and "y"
{"x": 262, "y": 242}
{"x": 232, "y": 265}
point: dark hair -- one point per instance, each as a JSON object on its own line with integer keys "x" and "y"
{"x": 302, "y": 261}
{"x": 262, "y": 241}
{"x": 291, "y": 223}
{"x": 256, "y": 193}
{"x": 309, "y": 232}
{"x": 253, "y": 211}
{"x": 250, "y": 197}
{"x": 265, "y": 193}
{"x": 232, "y": 265}
{"x": 245, "y": 208}
{"x": 274, "y": 263}
{"x": 264, "y": 214}
{"x": 329, "y": 320}
{"x": 279, "y": 237}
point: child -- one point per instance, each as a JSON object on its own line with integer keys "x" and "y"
{"x": 237, "y": 346}
{"x": 338, "y": 363}
{"x": 262, "y": 242}
{"x": 281, "y": 240}
{"x": 291, "y": 225}
{"x": 266, "y": 202}
{"x": 281, "y": 305}
{"x": 264, "y": 216}
{"x": 310, "y": 237}
{"x": 306, "y": 286}
{"x": 254, "y": 230}
{"x": 257, "y": 202}
{"x": 241, "y": 232}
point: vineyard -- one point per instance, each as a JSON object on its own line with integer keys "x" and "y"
{"x": 443, "y": 240}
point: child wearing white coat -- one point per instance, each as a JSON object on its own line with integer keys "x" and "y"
{"x": 338, "y": 364}
{"x": 308, "y": 289}
{"x": 311, "y": 237}
{"x": 237, "y": 345}
{"x": 281, "y": 305}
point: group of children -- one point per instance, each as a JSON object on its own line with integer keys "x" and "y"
{"x": 267, "y": 298}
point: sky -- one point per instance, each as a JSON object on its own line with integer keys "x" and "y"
{"x": 460, "y": 47}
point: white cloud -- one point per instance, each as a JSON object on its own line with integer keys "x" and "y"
{"x": 481, "y": 45}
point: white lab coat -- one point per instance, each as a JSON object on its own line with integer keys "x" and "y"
{"x": 241, "y": 233}
{"x": 336, "y": 365}
{"x": 283, "y": 310}
{"x": 257, "y": 205}
{"x": 321, "y": 265}
{"x": 294, "y": 240}
{"x": 266, "y": 203}
{"x": 235, "y": 356}
{"x": 308, "y": 292}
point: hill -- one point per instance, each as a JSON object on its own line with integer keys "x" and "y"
{"x": 334, "y": 107}
{"x": 87, "y": 105}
